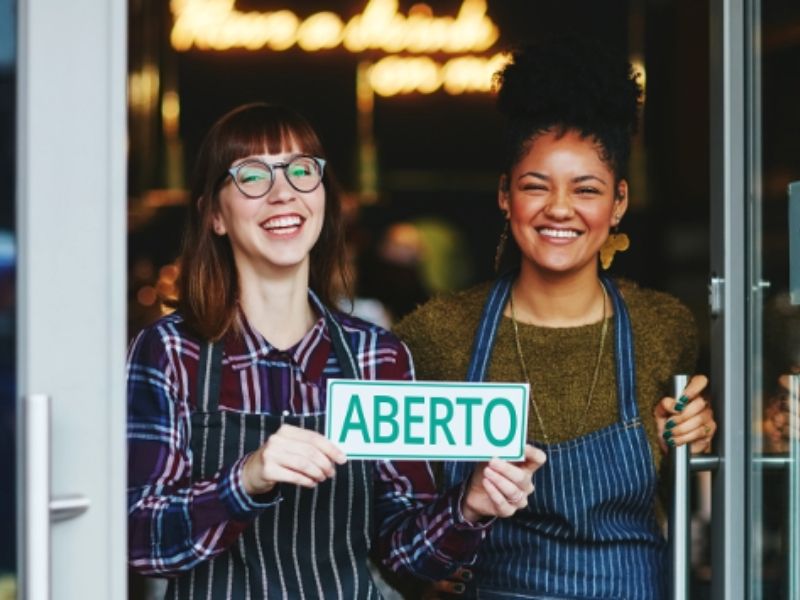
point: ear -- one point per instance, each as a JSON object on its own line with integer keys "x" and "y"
{"x": 620, "y": 202}
{"x": 503, "y": 200}
{"x": 218, "y": 224}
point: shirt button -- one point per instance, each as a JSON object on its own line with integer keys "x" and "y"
{"x": 286, "y": 413}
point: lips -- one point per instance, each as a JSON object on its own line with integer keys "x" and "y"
{"x": 283, "y": 224}
{"x": 557, "y": 233}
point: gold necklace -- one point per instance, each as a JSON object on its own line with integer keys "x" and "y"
{"x": 523, "y": 365}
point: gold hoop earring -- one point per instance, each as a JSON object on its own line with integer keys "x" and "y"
{"x": 615, "y": 242}
{"x": 501, "y": 245}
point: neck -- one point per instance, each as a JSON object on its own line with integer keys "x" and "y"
{"x": 277, "y": 306}
{"x": 558, "y": 299}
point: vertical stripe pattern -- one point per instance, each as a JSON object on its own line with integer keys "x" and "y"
{"x": 589, "y": 530}
{"x": 314, "y": 543}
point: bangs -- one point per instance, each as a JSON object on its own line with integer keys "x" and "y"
{"x": 274, "y": 129}
{"x": 251, "y": 130}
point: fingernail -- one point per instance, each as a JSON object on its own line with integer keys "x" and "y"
{"x": 681, "y": 403}
{"x": 667, "y": 435}
{"x": 671, "y": 443}
{"x": 670, "y": 424}
{"x": 466, "y": 574}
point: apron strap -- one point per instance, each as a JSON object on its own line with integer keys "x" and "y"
{"x": 209, "y": 376}
{"x": 624, "y": 362}
{"x": 344, "y": 354}
{"x": 483, "y": 343}
{"x": 623, "y": 349}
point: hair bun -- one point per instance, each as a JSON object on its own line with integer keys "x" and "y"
{"x": 569, "y": 80}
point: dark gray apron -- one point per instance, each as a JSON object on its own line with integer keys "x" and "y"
{"x": 314, "y": 542}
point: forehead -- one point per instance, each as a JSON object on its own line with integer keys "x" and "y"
{"x": 567, "y": 150}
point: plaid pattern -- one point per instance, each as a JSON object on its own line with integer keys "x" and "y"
{"x": 175, "y": 523}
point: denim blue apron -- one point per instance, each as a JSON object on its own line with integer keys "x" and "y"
{"x": 589, "y": 530}
{"x": 314, "y": 543}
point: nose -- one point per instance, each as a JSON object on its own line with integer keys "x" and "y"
{"x": 281, "y": 191}
{"x": 559, "y": 204}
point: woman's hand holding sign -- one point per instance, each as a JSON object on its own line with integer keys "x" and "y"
{"x": 499, "y": 488}
{"x": 291, "y": 455}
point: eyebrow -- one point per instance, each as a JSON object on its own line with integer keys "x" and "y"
{"x": 579, "y": 179}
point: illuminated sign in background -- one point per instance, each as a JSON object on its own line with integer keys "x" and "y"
{"x": 217, "y": 25}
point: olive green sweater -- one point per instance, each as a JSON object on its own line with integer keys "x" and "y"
{"x": 560, "y": 361}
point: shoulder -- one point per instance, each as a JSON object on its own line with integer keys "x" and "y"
{"x": 161, "y": 339}
{"x": 449, "y": 312}
{"x": 664, "y": 328}
{"x": 654, "y": 308}
{"x": 440, "y": 332}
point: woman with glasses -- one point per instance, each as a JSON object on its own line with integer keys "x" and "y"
{"x": 599, "y": 353}
{"x": 234, "y": 492}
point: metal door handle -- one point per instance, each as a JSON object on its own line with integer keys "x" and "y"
{"x": 680, "y": 539}
{"x": 679, "y": 535}
{"x": 36, "y": 506}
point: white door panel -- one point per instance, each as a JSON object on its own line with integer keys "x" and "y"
{"x": 71, "y": 225}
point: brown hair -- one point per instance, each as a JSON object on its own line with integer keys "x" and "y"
{"x": 208, "y": 285}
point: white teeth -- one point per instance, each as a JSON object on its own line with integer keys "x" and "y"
{"x": 559, "y": 233}
{"x": 280, "y": 222}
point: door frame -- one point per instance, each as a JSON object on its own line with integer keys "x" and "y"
{"x": 729, "y": 134}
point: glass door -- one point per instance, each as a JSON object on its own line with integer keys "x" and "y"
{"x": 773, "y": 233}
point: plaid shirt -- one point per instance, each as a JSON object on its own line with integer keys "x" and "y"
{"x": 175, "y": 523}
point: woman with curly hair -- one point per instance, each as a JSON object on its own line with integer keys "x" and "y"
{"x": 599, "y": 353}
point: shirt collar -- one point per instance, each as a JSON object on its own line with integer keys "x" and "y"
{"x": 247, "y": 346}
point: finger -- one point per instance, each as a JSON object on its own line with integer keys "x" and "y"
{"x": 501, "y": 505}
{"x": 314, "y": 438}
{"x": 534, "y": 458}
{"x": 300, "y": 456}
{"x": 704, "y": 432}
{"x": 514, "y": 494}
{"x": 699, "y": 410}
{"x": 692, "y": 408}
{"x": 692, "y": 390}
{"x": 519, "y": 477}
{"x": 695, "y": 386}
{"x": 688, "y": 425}
{"x": 676, "y": 423}
{"x": 281, "y": 474}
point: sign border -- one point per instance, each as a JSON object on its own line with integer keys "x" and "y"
{"x": 428, "y": 457}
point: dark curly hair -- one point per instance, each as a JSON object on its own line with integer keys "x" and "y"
{"x": 569, "y": 83}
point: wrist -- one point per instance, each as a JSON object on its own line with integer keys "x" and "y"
{"x": 252, "y": 482}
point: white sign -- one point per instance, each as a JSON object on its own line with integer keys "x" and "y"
{"x": 427, "y": 420}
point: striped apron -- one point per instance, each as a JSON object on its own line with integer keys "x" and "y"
{"x": 589, "y": 530}
{"x": 314, "y": 542}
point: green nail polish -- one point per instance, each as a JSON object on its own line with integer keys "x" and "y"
{"x": 671, "y": 443}
{"x": 667, "y": 435}
{"x": 681, "y": 403}
{"x": 670, "y": 424}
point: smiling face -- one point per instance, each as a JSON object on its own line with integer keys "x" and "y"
{"x": 561, "y": 200}
{"x": 274, "y": 233}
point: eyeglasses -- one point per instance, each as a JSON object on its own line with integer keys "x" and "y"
{"x": 255, "y": 178}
